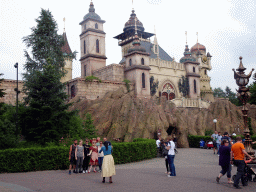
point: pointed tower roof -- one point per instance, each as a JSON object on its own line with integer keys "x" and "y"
{"x": 187, "y": 56}
{"x": 66, "y": 48}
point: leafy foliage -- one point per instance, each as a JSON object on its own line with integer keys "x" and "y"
{"x": 218, "y": 92}
{"x": 89, "y": 128}
{"x": 127, "y": 84}
{"x": 91, "y": 78}
{"x": 184, "y": 86}
{"x": 46, "y": 118}
{"x": 253, "y": 92}
{"x": 153, "y": 86}
{"x": 194, "y": 140}
{"x": 52, "y": 158}
{"x": 8, "y": 136}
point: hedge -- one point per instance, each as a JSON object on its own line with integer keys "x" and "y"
{"x": 194, "y": 140}
{"x": 53, "y": 158}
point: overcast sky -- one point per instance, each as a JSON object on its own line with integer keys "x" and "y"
{"x": 226, "y": 27}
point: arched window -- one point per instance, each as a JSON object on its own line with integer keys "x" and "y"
{"x": 84, "y": 47}
{"x": 85, "y": 70}
{"x": 194, "y": 69}
{"x": 142, "y": 61}
{"x": 194, "y": 85}
{"x": 84, "y": 26}
{"x": 73, "y": 91}
{"x": 205, "y": 72}
{"x": 143, "y": 80}
{"x": 97, "y": 46}
{"x": 130, "y": 62}
{"x": 96, "y": 26}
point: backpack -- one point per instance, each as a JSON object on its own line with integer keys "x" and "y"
{"x": 165, "y": 152}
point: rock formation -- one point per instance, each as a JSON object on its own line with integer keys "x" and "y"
{"x": 119, "y": 115}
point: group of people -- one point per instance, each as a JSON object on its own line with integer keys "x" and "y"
{"x": 99, "y": 153}
{"x": 231, "y": 152}
{"x": 167, "y": 149}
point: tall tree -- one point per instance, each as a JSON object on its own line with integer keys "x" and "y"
{"x": 153, "y": 86}
{"x": 184, "y": 86}
{"x": 218, "y": 92}
{"x": 253, "y": 91}
{"x": 46, "y": 118}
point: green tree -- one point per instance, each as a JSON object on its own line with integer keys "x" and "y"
{"x": 153, "y": 86}
{"x": 250, "y": 125}
{"x": 253, "y": 91}
{"x": 89, "y": 128}
{"x": 46, "y": 118}
{"x": 184, "y": 86}
{"x": 218, "y": 92}
{"x": 232, "y": 96}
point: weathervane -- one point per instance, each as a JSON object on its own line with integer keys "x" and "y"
{"x": 64, "y": 23}
{"x": 186, "y": 37}
{"x": 132, "y": 5}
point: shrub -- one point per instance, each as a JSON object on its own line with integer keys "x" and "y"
{"x": 91, "y": 78}
{"x": 56, "y": 157}
{"x": 194, "y": 140}
{"x": 126, "y": 81}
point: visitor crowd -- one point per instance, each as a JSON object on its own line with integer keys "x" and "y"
{"x": 97, "y": 154}
{"x": 230, "y": 152}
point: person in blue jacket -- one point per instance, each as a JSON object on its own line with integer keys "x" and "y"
{"x": 202, "y": 143}
{"x": 108, "y": 165}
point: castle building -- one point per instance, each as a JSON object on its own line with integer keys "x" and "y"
{"x": 141, "y": 60}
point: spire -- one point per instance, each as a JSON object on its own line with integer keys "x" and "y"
{"x": 91, "y": 9}
{"x": 64, "y": 24}
{"x": 155, "y": 39}
{"x": 186, "y": 37}
{"x": 136, "y": 26}
{"x": 65, "y": 48}
{"x": 132, "y": 5}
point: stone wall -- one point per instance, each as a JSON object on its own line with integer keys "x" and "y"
{"x": 9, "y": 86}
{"x": 113, "y": 72}
{"x": 93, "y": 90}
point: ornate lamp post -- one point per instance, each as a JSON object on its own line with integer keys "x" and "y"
{"x": 243, "y": 95}
{"x": 215, "y": 122}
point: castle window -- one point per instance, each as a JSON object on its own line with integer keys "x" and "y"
{"x": 73, "y": 91}
{"x": 96, "y": 26}
{"x": 85, "y": 70}
{"x": 142, "y": 61}
{"x": 84, "y": 47}
{"x": 194, "y": 85}
{"x": 205, "y": 72}
{"x": 97, "y": 46}
{"x": 143, "y": 80}
{"x": 130, "y": 62}
{"x": 194, "y": 69}
{"x": 85, "y": 26}
{"x": 155, "y": 48}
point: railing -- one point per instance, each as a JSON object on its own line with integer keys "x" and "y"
{"x": 190, "y": 103}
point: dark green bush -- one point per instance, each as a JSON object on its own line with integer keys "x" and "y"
{"x": 56, "y": 157}
{"x": 194, "y": 140}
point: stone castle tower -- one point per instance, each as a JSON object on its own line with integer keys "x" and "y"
{"x": 92, "y": 41}
{"x": 199, "y": 52}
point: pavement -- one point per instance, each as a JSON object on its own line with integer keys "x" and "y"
{"x": 196, "y": 171}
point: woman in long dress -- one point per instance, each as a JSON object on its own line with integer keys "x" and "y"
{"x": 108, "y": 166}
{"x": 94, "y": 156}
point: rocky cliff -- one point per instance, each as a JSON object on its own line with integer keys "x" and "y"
{"x": 120, "y": 115}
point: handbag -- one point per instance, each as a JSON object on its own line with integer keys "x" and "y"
{"x": 165, "y": 152}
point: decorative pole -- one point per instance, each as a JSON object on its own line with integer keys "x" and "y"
{"x": 17, "y": 95}
{"x": 243, "y": 95}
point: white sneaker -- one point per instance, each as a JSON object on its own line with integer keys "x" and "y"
{"x": 86, "y": 171}
{"x": 169, "y": 176}
{"x": 83, "y": 171}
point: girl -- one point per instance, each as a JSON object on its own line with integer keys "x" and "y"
{"x": 79, "y": 154}
{"x": 94, "y": 156}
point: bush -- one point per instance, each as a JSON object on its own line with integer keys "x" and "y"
{"x": 194, "y": 140}
{"x": 34, "y": 159}
{"x": 91, "y": 78}
{"x": 56, "y": 157}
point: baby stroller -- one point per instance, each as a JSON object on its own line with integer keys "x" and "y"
{"x": 210, "y": 144}
{"x": 248, "y": 173}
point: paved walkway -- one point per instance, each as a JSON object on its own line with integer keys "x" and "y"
{"x": 196, "y": 171}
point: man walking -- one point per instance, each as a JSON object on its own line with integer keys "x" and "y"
{"x": 170, "y": 157}
{"x": 214, "y": 139}
{"x": 238, "y": 152}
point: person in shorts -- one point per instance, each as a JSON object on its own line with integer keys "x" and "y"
{"x": 72, "y": 157}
